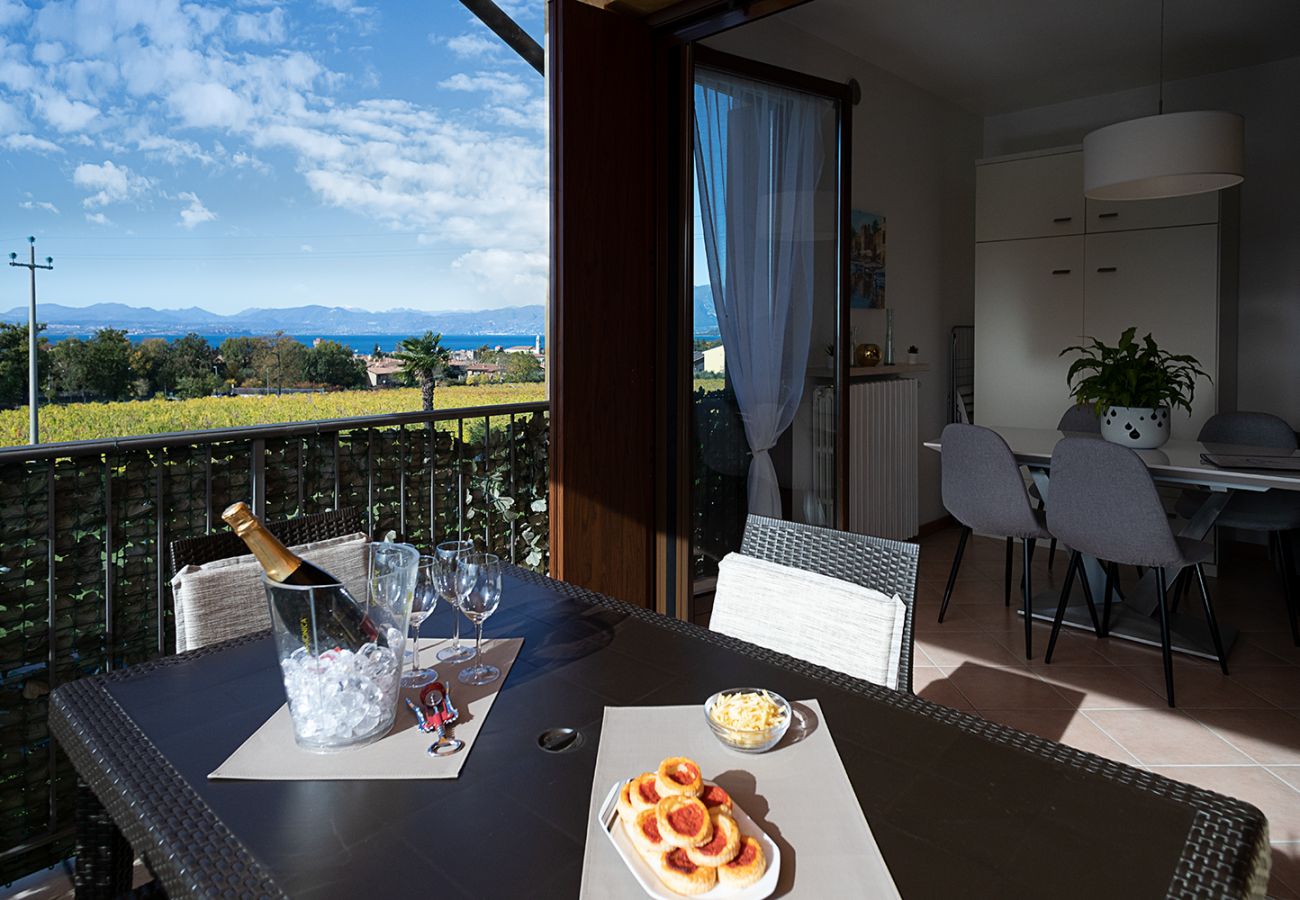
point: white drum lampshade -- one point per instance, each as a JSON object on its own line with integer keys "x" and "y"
{"x": 1169, "y": 155}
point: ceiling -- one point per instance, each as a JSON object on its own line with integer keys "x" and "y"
{"x": 991, "y": 56}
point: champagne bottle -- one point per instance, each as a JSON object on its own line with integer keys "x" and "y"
{"x": 328, "y": 616}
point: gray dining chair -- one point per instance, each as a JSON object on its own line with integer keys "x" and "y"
{"x": 1277, "y": 513}
{"x": 1082, "y": 419}
{"x": 884, "y": 565}
{"x": 1105, "y": 504}
{"x": 983, "y": 490}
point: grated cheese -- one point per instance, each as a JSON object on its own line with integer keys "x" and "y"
{"x": 747, "y": 711}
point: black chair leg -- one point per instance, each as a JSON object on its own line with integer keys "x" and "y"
{"x": 952, "y": 576}
{"x": 1111, "y": 570}
{"x": 1060, "y": 607}
{"x": 1165, "y": 648}
{"x": 1029, "y": 600}
{"x": 1011, "y": 549}
{"x": 1210, "y": 620}
{"x": 1287, "y": 561}
{"x": 1087, "y": 598}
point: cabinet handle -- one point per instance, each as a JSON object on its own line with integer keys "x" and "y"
{"x": 1106, "y": 269}
{"x": 1060, "y": 271}
{"x": 1061, "y": 219}
{"x": 1109, "y": 215}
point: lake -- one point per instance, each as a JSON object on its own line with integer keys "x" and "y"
{"x": 360, "y": 343}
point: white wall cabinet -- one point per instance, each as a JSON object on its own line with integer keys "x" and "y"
{"x": 1167, "y": 267}
{"x": 1038, "y": 196}
{"x": 1028, "y": 307}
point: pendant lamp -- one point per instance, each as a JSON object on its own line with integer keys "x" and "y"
{"x": 1165, "y": 155}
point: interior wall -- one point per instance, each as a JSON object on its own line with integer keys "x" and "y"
{"x": 913, "y": 162}
{"x": 1268, "y": 364}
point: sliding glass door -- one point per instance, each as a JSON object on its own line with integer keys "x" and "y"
{"x": 767, "y": 308}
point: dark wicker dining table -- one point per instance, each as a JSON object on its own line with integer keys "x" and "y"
{"x": 959, "y": 806}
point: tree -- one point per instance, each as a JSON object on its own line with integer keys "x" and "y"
{"x": 280, "y": 360}
{"x": 198, "y": 384}
{"x": 13, "y": 363}
{"x": 148, "y": 363}
{"x": 99, "y": 368}
{"x": 378, "y": 352}
{"x": 190, "y": 357}
{"x": 237, "y": 354}
{"x": 424, "y": 361}
{"x": 520, "y": 367}
{"x": 331, "y": 363}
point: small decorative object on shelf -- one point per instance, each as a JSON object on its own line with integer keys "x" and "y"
{"x": 889, "y": 337}
{"x": 1133, "y": 386}
{"x": 913, "y": 355}
{"x": 866, "y": 355}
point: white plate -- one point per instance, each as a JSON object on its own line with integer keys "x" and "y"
{"x": 649, "y": 880}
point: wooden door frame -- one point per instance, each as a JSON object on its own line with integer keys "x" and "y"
{"x": 674, "y": 586}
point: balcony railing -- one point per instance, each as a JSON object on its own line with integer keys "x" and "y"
{"x": 85, "y": 529}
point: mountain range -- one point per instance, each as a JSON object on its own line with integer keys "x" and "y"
{"x": 60, "y": 319}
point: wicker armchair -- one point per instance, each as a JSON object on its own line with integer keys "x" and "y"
{"x": 291, "y": 532}
{"x": 886, "y": 566}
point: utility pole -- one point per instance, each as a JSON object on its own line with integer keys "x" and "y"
{"x": 32, "y": 386}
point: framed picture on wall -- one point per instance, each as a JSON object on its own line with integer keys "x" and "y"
{"x": 867, "y": 261}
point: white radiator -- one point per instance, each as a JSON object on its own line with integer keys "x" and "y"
{"x": 819, "y": 506}
{"x": 883, "y": 448}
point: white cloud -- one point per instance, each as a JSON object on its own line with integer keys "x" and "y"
{"x": 209, "y": 105}
{"x": 39, "y": 204}
{"x": 307, "y": 248}
{"x": 261, "y": 28}
{"x": 98, "y": 219}
{"x": 31, "y": 142}
{"x": 469, "y": 45}
{"x": 513, "y": 276}
{"x": 64, "y": 114}
{"x": 12, "y": 11}
{"x": 501, "y": 86}
{"x": 10, "y": 118}
{"x": 172, "y": 150}
{"x": 196, "y": 213}
{"x": 111, "y": 183}
{"x": 48, "y": 53}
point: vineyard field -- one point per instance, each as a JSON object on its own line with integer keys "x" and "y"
{"x": 92, "y": 421}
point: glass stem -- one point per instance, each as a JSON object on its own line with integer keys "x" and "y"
{"x": 478, "y": 645}
{"x": 455, "y": 631}
{"x": 415, "y": 649}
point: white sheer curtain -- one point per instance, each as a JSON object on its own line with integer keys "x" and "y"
{"x": 758, "y": 156}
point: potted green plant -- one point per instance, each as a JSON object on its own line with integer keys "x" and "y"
{"x": 913, "y": 355}
{"x": 1133, "y": 387}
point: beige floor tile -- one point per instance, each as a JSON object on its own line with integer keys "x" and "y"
{"x": 1279, "y": 802}
{"x": 1064, "y": 726}
{"x": 1289, "y": 774}
{"x": 1285, "y": 883}
{"x": 932, "y": 683}
{"x": 1263, "y": 648}
{"x": 1268, "y": 736}
{"x": 990, "y": 688}
{"x": 1278, "y": 685}
{"x": 1103, "y": 687}
{"x": 1166, "y": 737}
{"x": 952, "y": 648}
{"x": 1201, "y": 687}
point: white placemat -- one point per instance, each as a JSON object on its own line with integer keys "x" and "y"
{"x": 798, "y": 793}
{"x": 270, "y": 754}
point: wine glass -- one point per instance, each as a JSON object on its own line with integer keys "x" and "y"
{"x": 449, "y": 554}
{"x": 478, "y": 581}
{"x": 423, "y": 602}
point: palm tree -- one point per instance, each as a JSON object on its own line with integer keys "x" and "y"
{"x": 424, "y": 361}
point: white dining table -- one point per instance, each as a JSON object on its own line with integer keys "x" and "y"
{"x": 1178, "y": 462}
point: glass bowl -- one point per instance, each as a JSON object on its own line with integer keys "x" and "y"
{"x": 747, "y": 741}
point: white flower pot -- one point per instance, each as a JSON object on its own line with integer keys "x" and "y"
{"x": 913, "y": 358}
{"x": 1138, "y": 427}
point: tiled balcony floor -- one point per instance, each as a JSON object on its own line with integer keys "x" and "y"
{"x": 1238, "y": 735}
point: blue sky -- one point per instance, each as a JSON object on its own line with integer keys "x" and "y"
{"x": 262, "y": 153}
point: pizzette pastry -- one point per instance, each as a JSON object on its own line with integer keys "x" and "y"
{"x": 683, "y": 876}
{"x": 683, "y": 821}
{"x": 626, "y": 811}
{"x": 746, "y": 868}
{"x": 678, "y": 775}
{"x": 722, "y": 847}
{"x": 644, "y": 794}
{"x": 644, "y": 832}
{"x": 715, "y": 799}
